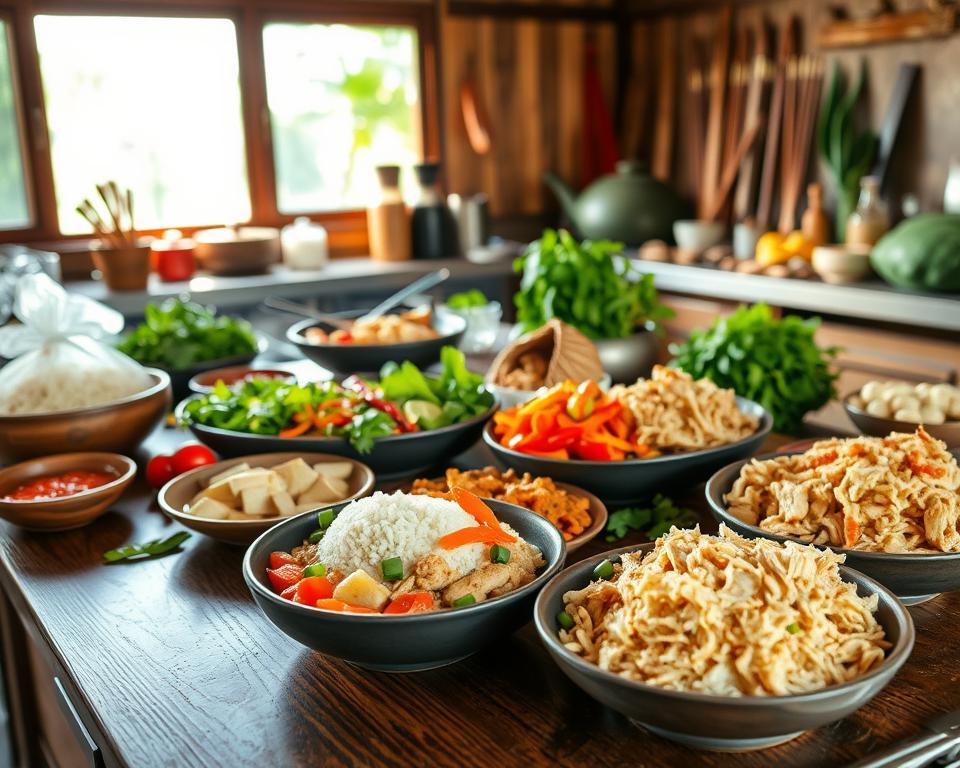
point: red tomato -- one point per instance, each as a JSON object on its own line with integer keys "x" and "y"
{"x": 159, "y": 471}
{"x": 290, "y": 593}
{"x": 284, "y": 576}
{"x": 314, "y": 588}
{"x": 191, "y": 456}
{"x": 278, "y": 559}
{"x": 411, "y": 602}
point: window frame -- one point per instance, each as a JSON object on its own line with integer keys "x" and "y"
{"x": 347, "y": 228}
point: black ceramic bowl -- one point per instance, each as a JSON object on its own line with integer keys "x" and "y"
{"x": 391, "y": 457}
{"x": 726, "y": 723}
{"x": 402, "y": 643}
{"x": 180, "y": 377}
{"x": 877, "y": 426}
{"x": 369, "y": 358}
{"x": 623, "y": 482}
{"x": 913, "y": 578}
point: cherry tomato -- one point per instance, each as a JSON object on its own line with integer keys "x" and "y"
{"x": 191, "y": 456}
{"x": 159, "y": 471}
{"x": 278, "y": 559}
{"x": 314, "y": 588}
{"x": 284, "y": 576}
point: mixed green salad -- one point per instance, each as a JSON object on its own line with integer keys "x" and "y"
{"x": 178, "y": 334}
{"x": 404, "y": 399}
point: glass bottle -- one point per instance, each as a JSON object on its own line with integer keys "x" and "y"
{"x": 433, "y": 230}
{"x": 814, "y": 223}
{"x": 871, "y": 218}
{"x": 388, "y": 228}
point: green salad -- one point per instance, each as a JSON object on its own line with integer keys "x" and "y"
{"x": 178, "y": 334}
{"x": 404, "y": 399}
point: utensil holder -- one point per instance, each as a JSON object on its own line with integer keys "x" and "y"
{"x": 123, "y": 269}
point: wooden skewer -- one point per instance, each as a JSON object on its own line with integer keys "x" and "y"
{"x": 732, "y": 168}
{"x": 714, "y": 136}
{"x": 107, "y": 195}
{"x": 772, "y": 149}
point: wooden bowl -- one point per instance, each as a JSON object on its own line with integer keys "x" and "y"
{"x": 176, "y": 494}
{"x": 117, "y": 426}
{"x": 237, "y": 250}
{"x": 67, "y": 512}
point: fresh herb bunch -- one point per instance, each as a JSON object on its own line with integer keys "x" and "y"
{"x": 179, "y": 334}
{"x": 467, "y": 299}
{"x": 776, "y": 363}
{"x": 587, "y": 285}
{"x": 652, "y": 521}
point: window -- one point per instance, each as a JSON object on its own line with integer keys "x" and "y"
{"x": 342, "y": 100}
{"x": 14, "y": 206}
{"x": 153, "y": 103}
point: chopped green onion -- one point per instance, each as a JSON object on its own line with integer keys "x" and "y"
{"x": 317, "y": 569}
{"x": 565, "y": 620}
{"x": 316, "y": 536}
{"x": 325, "y": 517}
{"x": 465, "y": 600}
{"x": 499, "y": 554}
{"x": 604, "y": 570}
{"x": 392, "y": 569}
{"x": 793, "y": 628}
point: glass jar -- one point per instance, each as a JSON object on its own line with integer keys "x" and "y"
{"x": 483, "y": 325}
{"x": 871, "y": 219}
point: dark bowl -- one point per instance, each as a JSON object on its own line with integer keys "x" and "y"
{"x": 725, "y": 723}
{"x": 624, "y": 482}
{"x": 878, "y": 426}
{"x": 393, "y": 456}
{"x": 203, "y": 383}
{"x": 180, "y": 377}
{"x": 369, "y": 358}
{"x": 402, "y": 643}
{"x": 913, "y": 578}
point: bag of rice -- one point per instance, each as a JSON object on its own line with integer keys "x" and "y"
{"x": 58, "y": 362}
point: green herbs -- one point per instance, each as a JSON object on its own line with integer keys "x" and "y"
{"x": 467, "y": 299}
{"x": 776, "y": 363}
{"x": 603, "y": 571}
{"x": 587, "y": 285}
{"x": 180, "y": 334}
{"x": 499, "y": 554}
{"x": 565, "y": 620}
{"x": 652, "y": 521}
{"x": 848, "y": 154}
{"x": 137, "y": 552}
{"x": 460, "y": 602}
{"x": 392, "y": 569}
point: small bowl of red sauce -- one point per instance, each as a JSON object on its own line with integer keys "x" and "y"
{"x": 69, "y": 490}
{"x": 204, "y": 382}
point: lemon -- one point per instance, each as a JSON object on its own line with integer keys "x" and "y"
{"x": 796, "y": 244}
{"x": 770, "y": 249}
{"x": 415, "y": 410}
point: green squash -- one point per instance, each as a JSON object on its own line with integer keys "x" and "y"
{"x": 922, "y": 253}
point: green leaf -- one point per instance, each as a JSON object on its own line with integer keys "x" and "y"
{"x": 147, "y": 550}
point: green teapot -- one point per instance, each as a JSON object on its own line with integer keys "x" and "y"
{"x": 629, "y": 206}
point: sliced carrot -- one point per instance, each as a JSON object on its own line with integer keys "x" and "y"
{"x": 475, "y": 534}
{"x": 298, "y": 430}
{"x": 556, "y": 396}
{"x": 330, "y": 604}
{"x": 474, "y": 506}
{"x": 851, "y": 532}
{"x": 619, "y": 427}
{"x": 602, "y": 436}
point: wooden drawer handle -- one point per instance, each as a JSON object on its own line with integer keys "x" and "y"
{"x": 94, "y": 755}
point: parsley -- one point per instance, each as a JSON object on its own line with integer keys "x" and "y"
{"x": 652, "y": 521}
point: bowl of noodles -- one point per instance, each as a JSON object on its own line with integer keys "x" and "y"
{"x": 721, "y": 642}
{"x": 891, "y": 505}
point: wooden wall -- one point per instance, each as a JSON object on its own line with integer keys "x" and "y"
{"x": 529, "y": 73}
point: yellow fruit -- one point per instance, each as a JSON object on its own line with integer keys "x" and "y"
{"x": 770, "y": 249}
{"x": 796, "y": 244}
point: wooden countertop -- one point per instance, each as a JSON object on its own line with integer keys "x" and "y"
{"x": 170, "y": 663}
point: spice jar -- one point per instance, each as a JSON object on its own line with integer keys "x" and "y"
{"x": 388, "y": 226}
{"x": 871, "y": 219}
{"x": 172, "y": 257}
{"x": 304, "y": 244}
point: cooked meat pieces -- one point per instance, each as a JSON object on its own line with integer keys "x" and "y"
{"x": 429, "y": 574}
{"x": 494, "y": 579}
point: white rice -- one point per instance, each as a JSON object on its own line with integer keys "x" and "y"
{"x": 370, "y": 530}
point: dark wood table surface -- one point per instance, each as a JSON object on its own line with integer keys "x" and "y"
{"x": 170, "y": 663}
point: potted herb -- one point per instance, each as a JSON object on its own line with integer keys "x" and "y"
{"x": 593, "y": 288}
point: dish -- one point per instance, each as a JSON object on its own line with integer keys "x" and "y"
{"x": 401, "y": 642}
{"x": 872, "y": 422}
{"x": 366, "y": 358}
{"x": 400, "y": 328}
{"x": 120, "y": 425}
{"x": 63, "y": 513}
{"x": 237, "y": 250}
{"x": 202, "y": 383}
{"x": 917, "y": 403}
{"x": 175, "y": 497}
{"x": 579, "y": 515}
{"x": 707, "y": 721}
{"x": 509, "y": 398}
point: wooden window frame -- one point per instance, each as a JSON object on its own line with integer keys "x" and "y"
{"x": 347, "y": 228}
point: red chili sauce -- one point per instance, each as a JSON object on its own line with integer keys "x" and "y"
{"x": 56, "y": 486}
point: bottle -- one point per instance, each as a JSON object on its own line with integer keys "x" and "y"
{"x": 814, "y": 223}
{"x": 388, "y": 227}
{"x": 951, "y": 192}
{"x": 304, "y": 244}
{"x": 433, "y": 230}
{"x": 871, "y": 219}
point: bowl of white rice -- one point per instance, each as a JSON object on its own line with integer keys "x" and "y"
{"x": 365, "y": 533}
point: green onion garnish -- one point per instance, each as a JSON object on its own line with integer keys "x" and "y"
{"x": 565, "y": 620}
{"x": 604, "y": 570}
{"x": 392, "y": 569}
{"x": 324, "y": 518}
{"x": 793, "y": 628}
{"x": 499, "y": 554}
{"x": 317, "y": 569}
{"x": 465, "y": 600}
{"x": 314, "y": 537}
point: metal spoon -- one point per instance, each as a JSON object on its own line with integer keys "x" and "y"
{"x": 275, "y": 302}
{"x": 942, "y": 737}
{"x": 424, "y": 283}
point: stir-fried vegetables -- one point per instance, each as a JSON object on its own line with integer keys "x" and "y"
{"x": 571, "y": 421}
{"x": 403, "y": 400}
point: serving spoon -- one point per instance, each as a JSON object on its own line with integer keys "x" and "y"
{"x": 275, "y": 302}
{"x": 941, "y": 738}
{"x": 422, "y": 284}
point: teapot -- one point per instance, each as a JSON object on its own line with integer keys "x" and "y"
{"x": 629, "y": 206}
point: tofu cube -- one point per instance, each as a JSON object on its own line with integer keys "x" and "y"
{"x": 339, "y": 487}
{"x": 236, "y": 469}
{"x": 297, "y": 474}
{"x": 218, "y": 491}
{"x": 255, "y": 501}
{"x": 256, "y": 478}
{"x": 283, "y": 503}
{"x": 319, "y": 493}
{"x": 360, "y": 588}
{"x": 339, "y": 470}
{"x": 210, "y": 509}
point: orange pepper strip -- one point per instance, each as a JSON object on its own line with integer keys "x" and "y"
{"x": 298, "y": 430}
{"x": 619, "y": 427}
{"x": 473, "y": 505}
{"x": 601, "y": 436}
{"x": 556, "y": 396}
{"x": 475, "y": 534}
{"x": 330, "y": 604}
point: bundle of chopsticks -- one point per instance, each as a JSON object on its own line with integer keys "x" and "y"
{"x": 801, "y": 104}
{"x": 117, "y": 229}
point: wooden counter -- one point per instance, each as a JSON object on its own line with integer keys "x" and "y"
{"x": 169, "y": 663}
